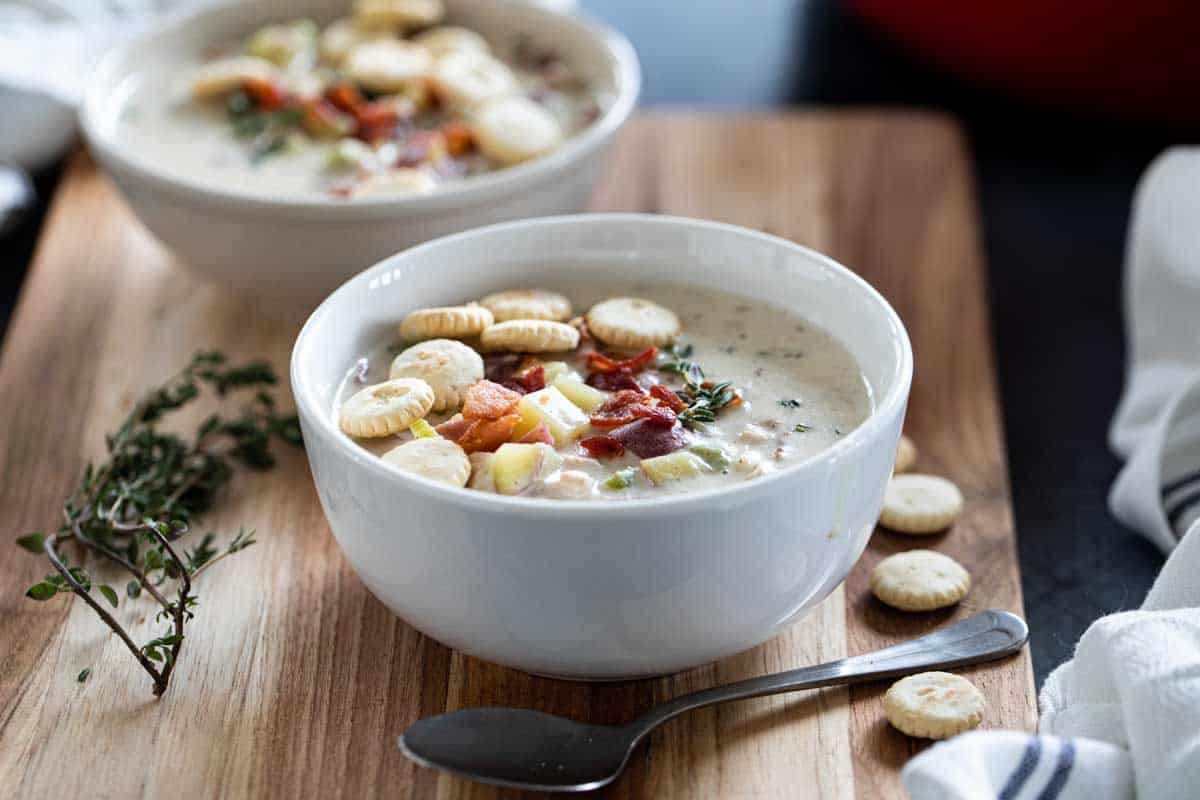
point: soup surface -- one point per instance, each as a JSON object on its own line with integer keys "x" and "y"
{"x": 388, "y": 102}
{"x": 717, "y": 389}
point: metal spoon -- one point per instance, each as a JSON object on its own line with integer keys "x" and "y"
{"x": 524, "y": 749}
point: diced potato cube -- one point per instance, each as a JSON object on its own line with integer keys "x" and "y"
{"x": 674, "y": 467}
{"x": 564, "y": 419}
{"x": 515, "y": 466}
{"x": 586, "y": 397}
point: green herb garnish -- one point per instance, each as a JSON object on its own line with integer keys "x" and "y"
{"x": 713, "y": 454}
{"x": 703, "y": 402}
{"x": 133, "y": 507}
{"x": 802, "y": 428}
{"x": 83, "y": 674}
{"x": 790, "y": 402}
{"x": 677, "y": 360}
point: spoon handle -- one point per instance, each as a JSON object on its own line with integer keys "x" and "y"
{"x": 985, "y": 636}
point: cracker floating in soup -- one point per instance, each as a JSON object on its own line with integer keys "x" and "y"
{"x": 734, "y": 390}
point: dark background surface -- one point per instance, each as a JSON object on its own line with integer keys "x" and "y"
{"x": 1055, "y": 193}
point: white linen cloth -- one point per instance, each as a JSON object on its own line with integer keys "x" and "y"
{"x": 1122, "y": 718}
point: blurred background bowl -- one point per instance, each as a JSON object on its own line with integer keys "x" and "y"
{"x": 294, "y": 250}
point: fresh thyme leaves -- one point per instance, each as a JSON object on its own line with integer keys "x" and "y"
{"x": 790, "y": 402}
{"x": 677, "y": 359}
{"x": 131, "y": 508}
{"x": 704, "y": 400}
{"x": 83, "y": 674}
{"x": 802, "y": 428}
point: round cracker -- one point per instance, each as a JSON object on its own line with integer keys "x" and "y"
{"x": 919, "y": 580}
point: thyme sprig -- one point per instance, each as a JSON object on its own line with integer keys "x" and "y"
{"x": 131, "y": 508}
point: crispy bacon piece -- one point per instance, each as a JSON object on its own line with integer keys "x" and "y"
{"x": 487, "y": 400}
{"x": 533, "y": 379}
{"x": 377, "y": 120}
{"x": 598, "y": 362}
{"x": 603, "y": 446}
{"x": 614, "y": 381}
{"x": 453, "y": 428}
{"x": 658, "y": 416}
{"x": 266, "y": 95}
{"x": 617, "y": 410}
{"x": 345, "y": 96}
{"x": 648, "y": 440}
{"x": 539, "y": 434}
{"x": 667, "y": 396}
{"x": 459, "y": 139}
{"x": 485, "y": 435}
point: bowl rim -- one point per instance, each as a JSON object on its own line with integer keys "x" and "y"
{"x": 893, "y": 402}
{"x": 467, "y": 192}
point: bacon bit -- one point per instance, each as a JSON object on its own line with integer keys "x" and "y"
{"x": 377, "y": 120}
{"x": 597, "y": 362}
{"x": 667, "y": 396}
{"x": 533, "y": 379}
{"x": 539, "y": 434}
{"x": 648, "y": 440}
{"x": 341, "y": 192}
{"x": 487, "y": 400}
{"x": 736, "y": 401}
{"x": 658, "y": 416}
{"x": 459, "y": 139}
{"x": 345, "y": 96}
{"x": 617, "y": 410}
{"x": 614, "y": 382}
{"x": 603, "y": 446}
{"x": 266, "y": 95}
{"x": 453, "y": 428}
{"x": 485, "y": 435}
{"x": 499, "y": 367}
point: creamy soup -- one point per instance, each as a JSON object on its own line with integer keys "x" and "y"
{"x": 733, "y": 390}
{"x": 388, "y": 102}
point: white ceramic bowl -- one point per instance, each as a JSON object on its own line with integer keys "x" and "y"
{"x": 297, "y": 250}
{"x": 603, "y": 589}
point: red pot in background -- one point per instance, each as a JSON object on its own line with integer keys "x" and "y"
{"x": 1128, "y": 58}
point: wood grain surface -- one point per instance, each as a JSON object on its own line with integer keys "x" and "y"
{"x": 295, "y": 681}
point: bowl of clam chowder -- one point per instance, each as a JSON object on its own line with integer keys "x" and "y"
{"x": 602, "y": 446}
{"x": 279, "y": 148}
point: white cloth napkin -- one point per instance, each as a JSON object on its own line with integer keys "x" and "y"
{"x": 1122, "y": 718}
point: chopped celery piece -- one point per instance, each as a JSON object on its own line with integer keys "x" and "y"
{"x": 621, "y": 479}
{"x": 423, "y": 430}
{"x": 674, "y": 467}
{"x": 717, "y": 456}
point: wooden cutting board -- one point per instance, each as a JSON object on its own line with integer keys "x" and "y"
{"x": 296, "y": 682}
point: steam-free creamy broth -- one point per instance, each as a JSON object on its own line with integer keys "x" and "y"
{"x": 793, "y": 391}
{"x": 367, "y": 105}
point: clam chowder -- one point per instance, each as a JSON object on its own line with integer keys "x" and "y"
{"x": 393, "y": 100}
{"x": 654, "y": 389}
